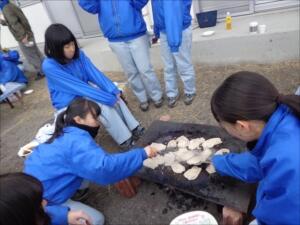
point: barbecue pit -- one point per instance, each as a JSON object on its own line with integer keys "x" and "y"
{"x": 220, "y": 190}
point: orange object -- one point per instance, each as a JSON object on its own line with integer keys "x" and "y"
{"x": 128, "y": 187}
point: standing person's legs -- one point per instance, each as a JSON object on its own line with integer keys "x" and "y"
{"x": 33, "y": 56}
{"x": 121, "y": 49}
{"x": 139, "y": 48}
{"x": 114, "y": 124}
{"x": 184, "y": 63}
{"x": 170, "y": 72}
{"x": 97, "y": 217}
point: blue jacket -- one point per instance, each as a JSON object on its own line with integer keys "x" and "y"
{"x": 62, "y": 165}
{"x": 9, "y": 71}
{"x": 119, "y": 20}
{"x": 3, "y": 3}
{"x": 66, "y": 82}
{"x": 274, "y": 162}
{"x": 171, "y": 17}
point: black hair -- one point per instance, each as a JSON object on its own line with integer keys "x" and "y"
{"x": 56, "y": 37}
{"x": 249, "y": 96}
{"x": 78, "y": 107}
{"x": 21, "y": 200}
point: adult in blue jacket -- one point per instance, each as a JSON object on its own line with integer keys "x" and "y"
{"x": 70, "y": 73}
{"x": 70, "y": 156}
{"x": 9, "y": 71}
{"x": 172, "y": 24}
{"x": 123, "y": 25}
{"x": 250, "y": 108}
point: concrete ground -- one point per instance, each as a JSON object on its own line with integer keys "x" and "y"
{"x": 152, "y": 204}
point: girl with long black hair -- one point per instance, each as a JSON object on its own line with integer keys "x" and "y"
{"x": 250, "y": 108}
{"x": 71, "y": 155}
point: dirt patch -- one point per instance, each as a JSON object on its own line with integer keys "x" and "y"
{"x": 152, "y": 203}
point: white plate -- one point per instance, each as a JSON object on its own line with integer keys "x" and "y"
{"x": 27, "y": 92}
{"x": 195, "y": 218}
{"x": 208, "y": 33}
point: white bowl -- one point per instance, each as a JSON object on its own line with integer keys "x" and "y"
{"x": 194, "y": 218}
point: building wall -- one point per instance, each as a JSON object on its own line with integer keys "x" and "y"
{"x": 38, "y": 19}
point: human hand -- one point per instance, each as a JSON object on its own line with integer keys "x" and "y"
{"x": 79, "y": 218}
{"x": 25, "y": 39}
{"x": 150, "y": 151}
{"x": 232, "y": 216}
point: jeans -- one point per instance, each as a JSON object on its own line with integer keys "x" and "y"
{"x": 178, "y": 62}
{"x": 96, "y": 216}
{"x": 134, "y": 58}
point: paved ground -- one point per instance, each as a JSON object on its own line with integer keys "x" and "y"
{"x": 153, "y": 204}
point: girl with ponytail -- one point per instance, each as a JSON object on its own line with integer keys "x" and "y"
{"x": 71, "y": 156}
{"x": 250, "y": 108}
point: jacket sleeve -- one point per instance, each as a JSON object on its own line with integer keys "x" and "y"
{"x": 92, "y": 163}
{"x": 7, "y": 72}
{"x": 97, "y": 77}
{"x": 58, "y": 214}
{"x": 12, "y": 18}
{"x": 281, "y": 187}
{"x": 173, "y": 12}
{"x": 243, "y": 166}
{"x": 91, "y": 6}
{"x": 65, "y": 82}
{"x": 139, "y": 4}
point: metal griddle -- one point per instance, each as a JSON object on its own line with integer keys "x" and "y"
{"x": 220, "y": 190}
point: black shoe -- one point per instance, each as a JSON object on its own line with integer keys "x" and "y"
{"x": 138, "y": 132}
{"x": 39, "y": 76}
{"x": 144, "y": 106}
{"x": 81, "y": 195}
{"x": 172, "y": 101}
{"x": 127, "y": 144}
{"x": 159, "y": 102}
{"x": 188, "y": 99}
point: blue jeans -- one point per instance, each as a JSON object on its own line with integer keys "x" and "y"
{"x": 134, "y": 58}
{"x": 96, "y": 216}
{"x": 178, "y": 62}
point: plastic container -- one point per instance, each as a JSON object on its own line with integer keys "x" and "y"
{"x": 228, "y": 21}
{"x": 194, "y": 218}
{"x": 207, "y": 19}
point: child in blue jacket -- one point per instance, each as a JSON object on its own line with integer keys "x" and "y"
{"x": 172, "y": 24}
{"x": 9, "y": 71}
{"x": 122, "y": 23}
{"x": 71, "y": 155}
{"x": 70, "y": 73}
{"x": 251, "y": 109}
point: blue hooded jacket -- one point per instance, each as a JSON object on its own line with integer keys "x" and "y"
{"x": 9, "y": 71}
{"x": 274, "y": 162}
{"x": 62, "y": 165}
{"x": 119, "y": 20}
{"x": 66, "y": 82}
{"x": 3, "y": 3}
{"x": 171, "y": 17}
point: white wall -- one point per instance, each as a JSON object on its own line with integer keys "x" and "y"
{"x": 38, "y": 19}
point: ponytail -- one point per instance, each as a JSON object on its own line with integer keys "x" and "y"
{"x": 78, "y": 107}
{"x": 59, "y": 126}
{"x": 292, "y": 101}
{"x": 249, "y": 96}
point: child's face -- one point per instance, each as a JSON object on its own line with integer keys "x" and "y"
{"x": 69, "y": 50}
{"x": 89, "y": 120}
{"x": 244, "y": 130}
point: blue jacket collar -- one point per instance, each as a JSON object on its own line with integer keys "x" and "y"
{"x": 269, "y": 129}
